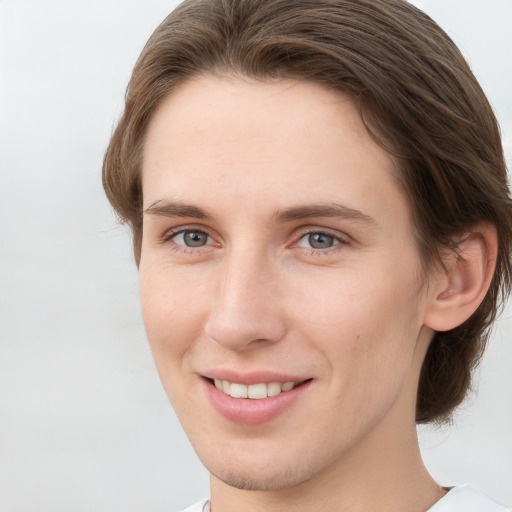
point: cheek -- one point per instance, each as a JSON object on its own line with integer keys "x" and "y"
{"x": 173, "y": 321}
{"x": 173, "y": 311}
{"x": 366, "y": 324}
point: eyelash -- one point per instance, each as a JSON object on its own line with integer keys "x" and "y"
{"x": 341, "y": 242}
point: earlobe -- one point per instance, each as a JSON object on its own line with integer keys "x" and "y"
{"x": 459, "y": 288}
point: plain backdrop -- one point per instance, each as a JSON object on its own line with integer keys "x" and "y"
{"x": 84, "y": 423}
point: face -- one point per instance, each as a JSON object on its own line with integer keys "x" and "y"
{"x": 281, "y": 289}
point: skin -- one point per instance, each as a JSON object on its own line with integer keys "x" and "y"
{"x": 356, "y": 317}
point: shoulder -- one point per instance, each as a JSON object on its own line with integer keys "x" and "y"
{"x": 200, "y": 506}
{"x": 468, "y": 499}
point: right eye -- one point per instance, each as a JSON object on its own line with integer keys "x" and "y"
{"x": 190, "y": 238}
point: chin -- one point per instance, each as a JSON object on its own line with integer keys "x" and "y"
{"x": 267, "y": 468}
{"x": 263, "y": 481}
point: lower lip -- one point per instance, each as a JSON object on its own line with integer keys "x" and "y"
{"x": 247, "y": 411}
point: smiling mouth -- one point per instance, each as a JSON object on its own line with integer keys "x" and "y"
{"x": 254, "y": 391}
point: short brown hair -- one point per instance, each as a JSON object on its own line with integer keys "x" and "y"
{"x": 417, "y": 97}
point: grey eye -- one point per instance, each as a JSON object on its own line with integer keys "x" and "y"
{"x": 191, "y": 238}
{"x": 320, "y": 240}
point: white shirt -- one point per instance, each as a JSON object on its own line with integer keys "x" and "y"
{"x": 467, "y": 499}
{"x": 459, "y": 499}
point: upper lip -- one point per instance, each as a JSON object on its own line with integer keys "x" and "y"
{"x": 252, "y": 377}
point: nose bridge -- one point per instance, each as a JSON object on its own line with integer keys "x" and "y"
{"x": 245, "y": 309}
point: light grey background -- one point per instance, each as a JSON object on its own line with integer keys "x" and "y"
{"x": 84, "y": 423}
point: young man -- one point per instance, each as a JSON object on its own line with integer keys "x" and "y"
{"x": 322, "y": 223}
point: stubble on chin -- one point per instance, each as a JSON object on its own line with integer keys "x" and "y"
{"x": 265, "y": 480}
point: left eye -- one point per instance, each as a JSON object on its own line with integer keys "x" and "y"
{"x": 191, "y": 238}
{"x": 318, "y": 240}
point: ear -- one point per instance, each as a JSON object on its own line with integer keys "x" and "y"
{"x": 456, "y": 291}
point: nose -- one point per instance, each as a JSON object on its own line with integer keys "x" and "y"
{"x": 247, "y": 311}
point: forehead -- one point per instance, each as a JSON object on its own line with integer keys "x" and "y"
{"x": 271, "y": 144}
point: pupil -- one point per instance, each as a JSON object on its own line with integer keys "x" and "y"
{"x": 195, "y": 238}
{"x": 320, "y": 240}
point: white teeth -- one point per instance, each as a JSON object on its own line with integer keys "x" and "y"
{"x": 253, "y": 391}
{"x": 238, "y": 390}
{"x": 257, "y": 391}
{"x": 274, "y": 388}
{"x": 287, "y": 386}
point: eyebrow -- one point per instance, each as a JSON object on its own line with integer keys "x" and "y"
{"x": 166, "y": 208}
{"x": 176, "y": 209}
{"x": 329, "y": 210}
